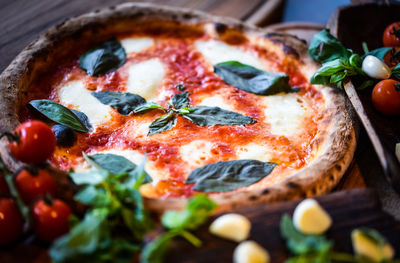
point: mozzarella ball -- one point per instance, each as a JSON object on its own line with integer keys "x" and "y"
{"x": 231, "y": 226}
{"x": 250, "y": 252}
{"x": 375, "y": 68}
{"x": 310, "y": 218}
{"x": 367, "y": 247}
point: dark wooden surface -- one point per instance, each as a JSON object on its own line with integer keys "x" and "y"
{"x": 349, "y": 209}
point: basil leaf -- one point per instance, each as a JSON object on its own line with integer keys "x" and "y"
{"x": 103, "y": 58}
{"x": 396, "y": 71}
{"x": 251, "y": 79}
{"x": 324, "y": 74}
{"x": 161, "y": 124}
{"x": 154, "y": 252}
{"x": 90, "y": 195}
{"x": 356, "y": 62}
{"x": 60, "y": 114}
{"x": 83, "y": 119}
{"x": 93, "y": 177}
{"x": 229, "y": 175}
{"x": 379, "y": 52}
{"x": 325, "y": 47}
{"x": 147, "y": 106}
{"x": 299, "y": 243}
{"x": 195, "y": 214}
{"x": 124, "y": 102}
{"x": 180, "y": 100}
{"x": 116, "y": 164}
{"x": 83, "y": 239}
{"x": 210, "y": 116}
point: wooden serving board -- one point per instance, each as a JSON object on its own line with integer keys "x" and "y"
{"x": 349, "y": 209}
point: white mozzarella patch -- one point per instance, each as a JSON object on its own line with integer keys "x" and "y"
{"x": 285, "y": 113}
{"x": 145, "y": 78}
{"x": 218, "y": 51}
{"x": 253, "y": 151}
{"x": 216, "y": 101}
{"x": 136, "y": 44}
{"x": 196, "y": 153}
{"x": 137, "y": 158}
{"x": 75, "y": 93}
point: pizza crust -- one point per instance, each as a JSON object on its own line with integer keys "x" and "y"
{"x": 338, "y": 141}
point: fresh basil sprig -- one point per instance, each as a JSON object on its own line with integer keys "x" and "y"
{"x": 251, "y": 79}
{"x": 229, "y": 175}
{"x": 124, "y": 102}
{"x": 103, "y": 58}
{"x": 115, "y": 203}
{"x": 200, "y": 115}
{"x": 58, "y": 113}
{"x": 196, "y": 213}
{"x": 337, "y": 62}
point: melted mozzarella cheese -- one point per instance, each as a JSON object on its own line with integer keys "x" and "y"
{"x": 145, "y": 78}
{"x": 285, "y": 113}
{"x": 136, "y": 44}
{"x": 74, "y": 93}
{"x": 253, "y": 151}
{"x": 137, "y": 158}
{"x": 216, "y": 101}
{"x": 196, "y": 153}
{"x": 218, "y": 51}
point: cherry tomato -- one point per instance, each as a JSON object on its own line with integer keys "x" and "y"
{"x": 11, "y": 222}
{"x": 392, "y": 57}
{"x": 3, "y": 186}
{"x": 51, "y": 219}
{"x": 386, "y": 96}
{"x": 34, "y": 142}
{"x": 391, "y": 35}
{"x": 31, "y": 186}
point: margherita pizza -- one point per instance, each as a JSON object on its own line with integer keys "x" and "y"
{"x": 212, "y": 104}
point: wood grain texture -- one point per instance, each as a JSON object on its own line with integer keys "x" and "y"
{"x": 348, "y": 209}
{"x": 21, "y": 21}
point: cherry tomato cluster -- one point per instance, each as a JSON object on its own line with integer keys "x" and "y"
{"x": 32, "y": 142}
{"x": 386, "y": 93}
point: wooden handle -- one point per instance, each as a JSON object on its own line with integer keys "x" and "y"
{"x": 389, "y": 162}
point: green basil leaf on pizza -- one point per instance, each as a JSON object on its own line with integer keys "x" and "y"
{"x": 229, "y": 175}
{"x": 180, "y": 100}
{"x": 251, "y": 79}
{"x": 62, "y": 115}
{"x": 210, "y": 116}
{"x": 124, "y": 102}
{"x": 147, "y": 106}
{"x": 103, "y": 58}
{"x": 116, "y": 164}
{"x": 161, "y": 124}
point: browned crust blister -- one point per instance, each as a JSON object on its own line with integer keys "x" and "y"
{"x": 337, "y": 143}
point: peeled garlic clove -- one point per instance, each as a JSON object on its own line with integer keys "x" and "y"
{"x": 366, "y": 245}
{"x": 398, "y": 151}
{"x": 231, "y": 226}
{"x": 250, "y": 252}
{"x": 310, "y": 218}
{"x": 375, "y": 68}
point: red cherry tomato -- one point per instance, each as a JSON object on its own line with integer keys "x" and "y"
{"x": 386, "y": 96}
{"x": 391, "y": 35}
{"x": 11, "y": 222}
{"x": 35, "y": 142}
{"x": 31, "y": 186}
{"x": 3, "y": 186}
{"x": 392, "y": 57}
{"x": 50, "y": 219}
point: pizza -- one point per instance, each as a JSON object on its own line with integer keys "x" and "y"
{"x": 212, "y": 104}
